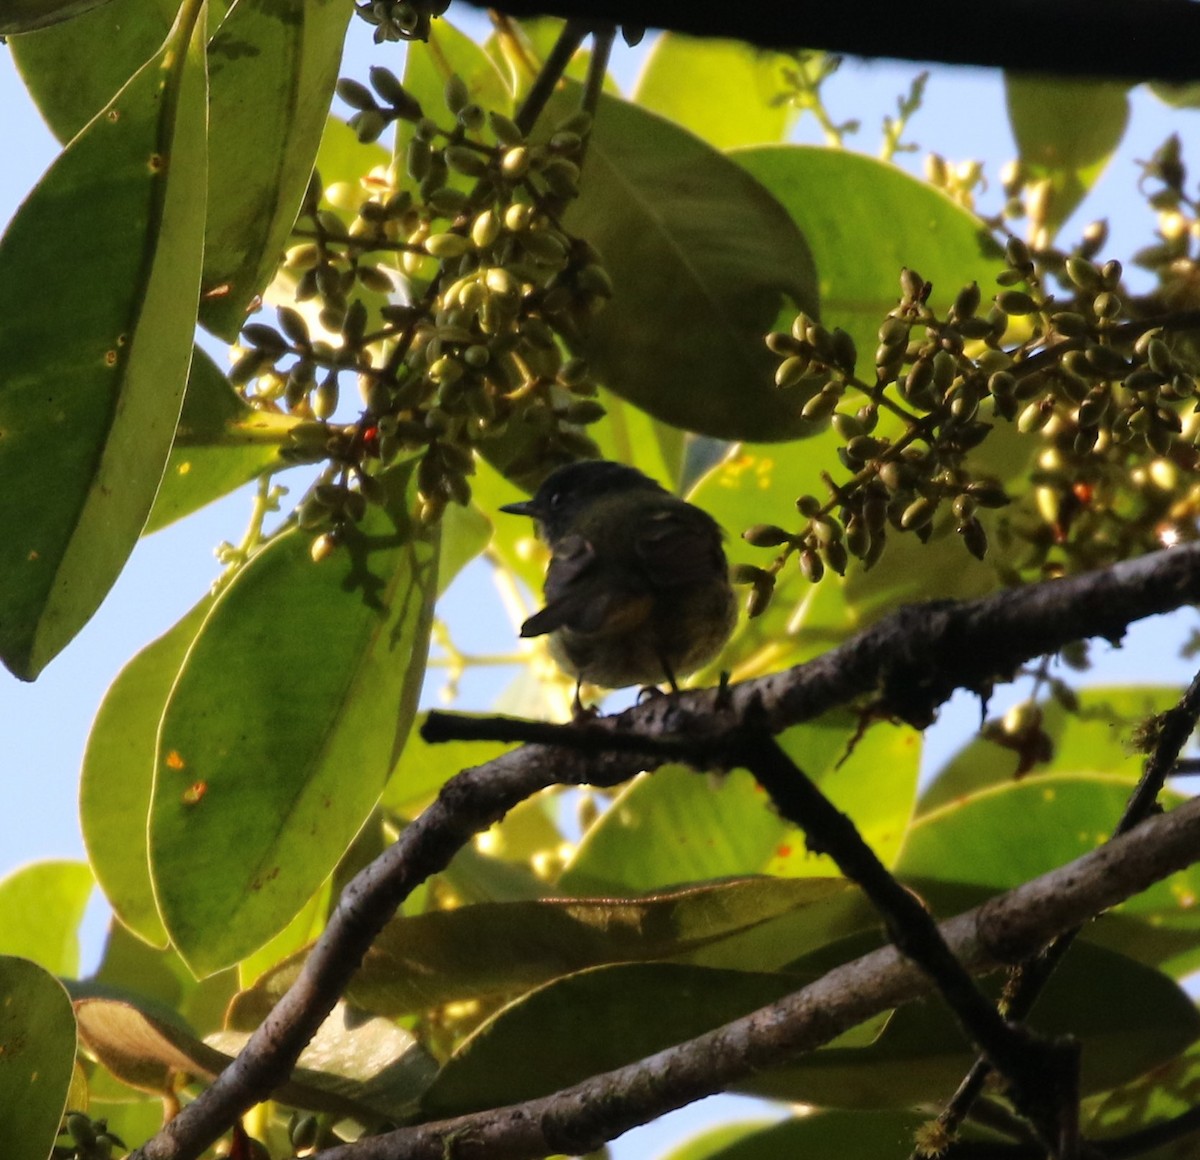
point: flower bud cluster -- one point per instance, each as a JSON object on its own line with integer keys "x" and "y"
{"x": 1108, "y": 399}
{"x": 445, "y": 288}
{"x": 400, "y": 19}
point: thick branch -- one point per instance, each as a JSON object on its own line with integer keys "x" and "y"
{"x": 1004, "y": 930}
{"x": 912, "y": 660}
{"x": 1150, "y": 39}
{"x": 919, "y": 655}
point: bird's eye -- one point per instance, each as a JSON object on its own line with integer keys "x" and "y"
{"x": 556, "y": 499}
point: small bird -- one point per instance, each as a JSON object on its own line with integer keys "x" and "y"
{"x": 637, "y": 589}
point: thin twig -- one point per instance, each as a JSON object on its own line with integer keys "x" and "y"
{"x": 1042, "y": 1073}
{"x": 542, "y": 89}
{"x": 1029, "y": 979}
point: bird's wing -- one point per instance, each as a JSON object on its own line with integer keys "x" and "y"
{"x": 679, "y": 546}
{"x": 570, "y": 600}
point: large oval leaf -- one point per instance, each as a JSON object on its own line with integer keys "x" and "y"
{"x": 1066, "y": 131}
{"x": 922, "y": 1054}
{"x": 604, "y": 1018}
{"x": 221, "y": 443}
{"x": 273, "y": 67}
{"x": 118, "y": 775}
{"x": 41, "y": 906}
{"x": 68, "y": 79}
{"x": 865, "y": 219}
{"x": 703, "y": 261}
{"x": 490, "y": 949}
{"x": 728, "y": 92}
{"x": 591, "y": 1022}
{"x": 1012, "y": 831}
{"x": 26, "y": 15}
{"x": 286, "y": 719}
{"x": 95, "y": 362}
{"x": 37, "y": 1052}
{"x": 672, "y": 826}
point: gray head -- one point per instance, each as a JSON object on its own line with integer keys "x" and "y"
{"x": 567, "y": 490}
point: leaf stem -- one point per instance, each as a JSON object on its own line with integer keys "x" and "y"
{"x": 571, "y": 37}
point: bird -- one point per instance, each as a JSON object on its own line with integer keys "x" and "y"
{"x": 637, "y": 588}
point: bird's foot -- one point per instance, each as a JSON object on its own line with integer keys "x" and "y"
{"x": 649, "y": 692}
{"x": 581, "y": 712}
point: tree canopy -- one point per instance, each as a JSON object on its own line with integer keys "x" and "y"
{"x": 947, "y": 449}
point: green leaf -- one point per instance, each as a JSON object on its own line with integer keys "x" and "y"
{"x": 1066, "y": 131}
{"x": 725, "y": 91}
{"x": 111, "y": 239}
{"x": 865, "y": 220}
{"x": 921, "y": 1054}
{"x": 603, "y": 1018}
{"x": 591, "y": 1022}
{"x": 672, "y": 826}
{"x": 158, "y": 975}
{"x": 1176, "y": 96}
{"x": 273, "y": 68}
{"x": 41, "y": 906}
{"x": 287, "y": 716}
{"x": 1093, "y": 740}
{"x": 818, "y": 1136}
{"x": 1011, "y": 832}
{"x": 221, "y": 443}
{"x": 703, "y": 260}
{"x": 68, "y": 79}
{"x": 490, "y": 949}
{"x": 1164, "y": 1093}
{"x": 26, "y": 15}
{"x": 37, "y": 1033}
{"x": 118, "y": 775}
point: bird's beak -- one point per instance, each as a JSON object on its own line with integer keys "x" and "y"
{"x": 523, "y": 508}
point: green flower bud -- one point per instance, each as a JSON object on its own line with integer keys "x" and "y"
{"x": 456, "y": 93}
{"x": 447, "y": 246}
{"x": 505, "y": 129}
{"x": 356, "y": 95}
{"x": 1083, "y": 274}
{"x": 1016, "y": 302}
{"x": 919, "y": 513}
{"x": 766, "y": 536}
{"x": 515, "y": 162}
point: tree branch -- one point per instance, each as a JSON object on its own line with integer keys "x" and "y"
{"x": 912, "y": 661}
{"x": 1030, "y": 978}
{"x": 1043, "y": 1074}
{"x": 917, "y": 656}
{"x": 1003, "y": 930}
{"x": 1151, "y": 39}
